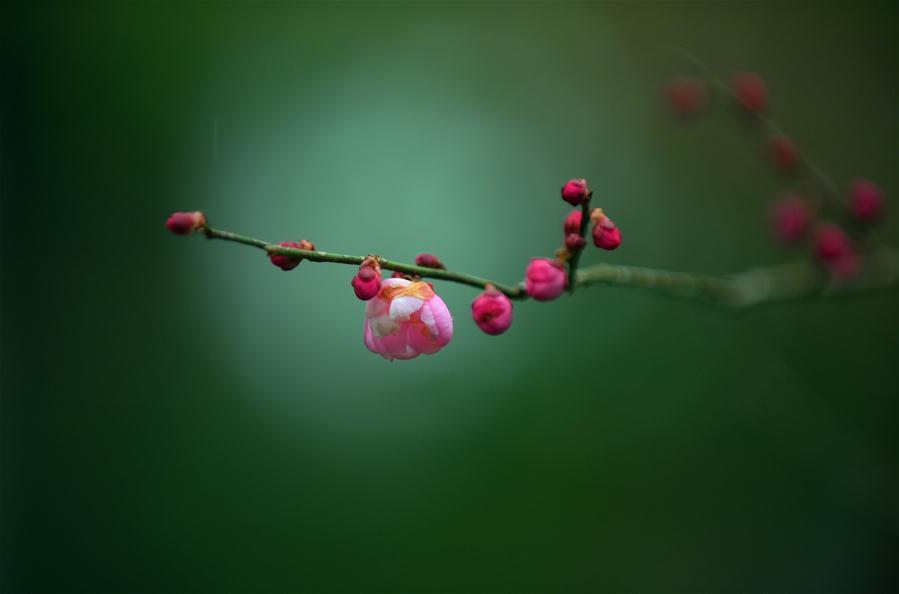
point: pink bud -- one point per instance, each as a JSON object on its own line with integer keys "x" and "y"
{"x": 790, "y": 217}
{"x": 185, "y": 223}
{"x": 572, "y": 222}
{"x": 605, "y": 234}
{"x": 367, "y": 281}
{"x": 492, "y": 311}
{"x": 750, "y": 91}
{"x": 286, "y": 263}
{"x": 545, "y": 279}
{"x": 783, "y": 153}
{"x": 575, "y": 191}
{"x": 687, "y": 96}
{"x": 831, "y": 243}
{"x": 397, "y": 274}
{"x": 865, "y": 200}
{"x": 574, "y": 242}
{"x": 428, "y": 261}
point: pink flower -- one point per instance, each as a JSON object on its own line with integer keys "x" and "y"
{"x": 185, "y": 223}
{"x": 367, "y": 280}
{"x": 575, "y": 191}
{"x": 686, "y": 96}
{"x": 790, "y": 218}
{"x": 545, "y": 279}
{"x": 492, "y": 311}
{"x": 865, "y": 200}
{"x": 783, "y": 153}
{"x": 572, "y": 222}
{"x": 428, "y": 261}
{"x": 286, "y": 263}
{"x": 405, "y": 320}
{"x": 605, "y": 234}
{"x": 750, "y": 91}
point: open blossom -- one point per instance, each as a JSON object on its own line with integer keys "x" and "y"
{"x": 790, "y": 218}
{"x": 865, "y": 200}
{"x": 545, "y": 279}
{"x": 406, "y": 319}
{"x": 286, "y": 263}
{"x": 185, "y": 223}
{"x": 575, "y": 191}
{"x": 492, "y": 311}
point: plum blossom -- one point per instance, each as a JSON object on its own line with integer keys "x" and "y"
{"x": 406, "y": 319}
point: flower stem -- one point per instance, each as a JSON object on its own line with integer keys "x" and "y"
{"x": 576, "y": 256}
{"x": 752, "y": 287}
{"x": 513, "y": 292}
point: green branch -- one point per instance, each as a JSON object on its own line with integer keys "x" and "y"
{"x": 744, "y": 289}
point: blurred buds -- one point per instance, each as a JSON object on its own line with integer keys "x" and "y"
{"x": 367, "y": 280}
{"x": 428, "y": 261}
{"x": 545, "y": 279}
{"x": 687, "y": 96}
{"x": 286, "y": 263}
{"x": 834, "y": 249}
{"x": 750, "y": 91}
{"x": 185, "y": 223}
{"x": 605, "y": 234}
{"x": 575, "y": 191}
{"x": 572, "y": 222}
{"x": 783, "y": 153}
{"x": 574, "y": 242}
{"x": 790, "y": 218}
{"x": 492, "y": 311}
{"x": 865, "y": 200}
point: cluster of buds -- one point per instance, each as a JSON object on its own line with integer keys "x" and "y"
{"x": 794, "y": 216}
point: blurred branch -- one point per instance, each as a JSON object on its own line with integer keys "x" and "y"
{"x": 744, "y": 289}
{"x": 754, "y": 286}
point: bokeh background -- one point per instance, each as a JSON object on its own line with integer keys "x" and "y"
{"x": 180, "y": 416}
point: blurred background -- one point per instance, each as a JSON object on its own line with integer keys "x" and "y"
{"x": 181, "y": 416}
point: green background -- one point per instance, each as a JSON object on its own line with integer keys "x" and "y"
{"x": 181, "y": 416}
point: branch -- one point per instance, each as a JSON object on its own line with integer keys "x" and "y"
{"x": 744, "y": 289}
{"x": 513, "y": 292}
{"x": 755, "y": 286}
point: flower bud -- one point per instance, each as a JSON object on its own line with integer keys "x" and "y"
{"x": 687, "y": 96}
{"x": 185, "y": 223}
{"x": 574, "y": 242}
{"x": 367, "y": 281}
{"x": 605, "y": 234}
{"x": 831, "y": 243}
{"x": 575, "y": 191}
{"x": 783, "y": 153}
{"x": 545, "y": 279}
{"x": 492, "y": 311}
{"x": 572, "y": 222}
{"x": 865, "y": 200}
{"x": 428, "y": 261}
{"x": 790, "y": 218}
{"x": 750, "y": 91}
{"x": 286, "y": 263}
